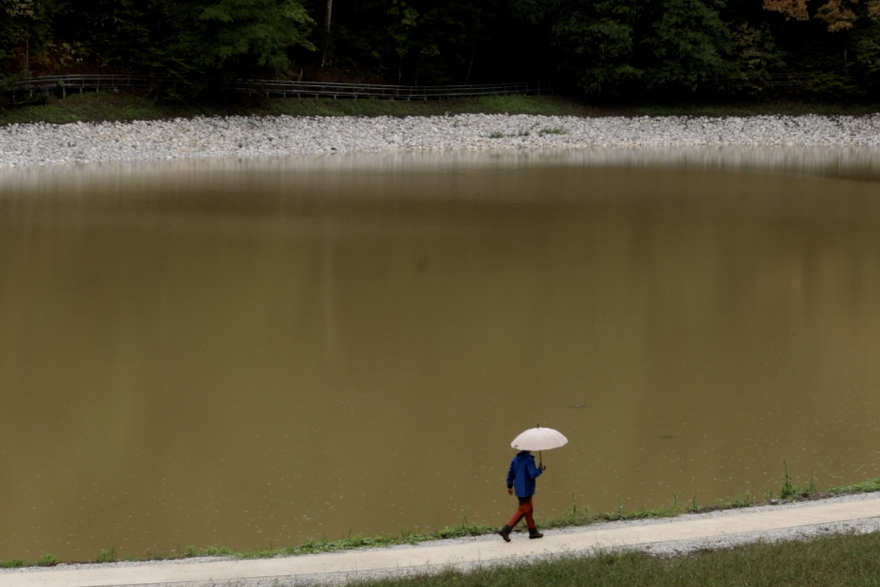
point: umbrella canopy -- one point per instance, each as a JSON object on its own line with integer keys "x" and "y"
{"x": 539, "y": 439}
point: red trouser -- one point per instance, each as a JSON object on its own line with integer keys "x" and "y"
{"x": 525, "y": 509}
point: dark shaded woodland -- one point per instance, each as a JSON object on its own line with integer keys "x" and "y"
{"x": 599, "y": 49}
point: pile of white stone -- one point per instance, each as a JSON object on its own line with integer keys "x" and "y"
{"x": 48, "y": 144}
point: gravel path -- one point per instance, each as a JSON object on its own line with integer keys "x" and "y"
{"x": 47, "y": 144}
{"x": 667, "y": 536}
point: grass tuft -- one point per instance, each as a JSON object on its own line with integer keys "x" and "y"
{"x": 556, "y": 130}
{"x": 788, "y": 489}
{"x": 107, "y": 555}
{"x": 48, "y": 560}
{"x": 748, "y": 499}
{"x": 217, "y": 551}
{"x": 693, "y": 506}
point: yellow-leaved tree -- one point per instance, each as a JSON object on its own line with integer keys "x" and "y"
{"x": 838, "y": 15}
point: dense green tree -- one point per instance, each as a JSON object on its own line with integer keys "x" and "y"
{"x": 756, "y": 57}
{"x": 15, "y": 17}
{"x": 241, "y": 38}
{"x": 599, "y": 48}
{"x": 114, "y": 34}
{"x": 866, "y": 59}
{"x": 445, "y": 47}
{"x": 412, "y": 41}
{"x": 688, "y": 44}
{"x": 597, "y": 42}
{"x": 403, "y": 20}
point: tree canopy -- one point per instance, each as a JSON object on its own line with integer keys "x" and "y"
{"x": 610, "y": 49}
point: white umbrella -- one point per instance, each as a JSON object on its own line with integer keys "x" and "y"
{"x": 539, "y": 439}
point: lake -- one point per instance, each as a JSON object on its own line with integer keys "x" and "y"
{"x": 248, "y": 353}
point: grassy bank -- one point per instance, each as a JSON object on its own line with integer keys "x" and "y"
{"x": 94, "y": 107}
{"x": 576, "y": 516}
{"x": 123, "y": 106}
{"x": 830, "y": 561}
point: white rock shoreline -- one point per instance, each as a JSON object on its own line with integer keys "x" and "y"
{"x": 24, "y": 145}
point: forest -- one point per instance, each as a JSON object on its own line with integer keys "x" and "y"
{"x": 594, "y": 49}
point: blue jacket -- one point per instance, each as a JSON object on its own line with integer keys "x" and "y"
{"x": 522, "y": 474}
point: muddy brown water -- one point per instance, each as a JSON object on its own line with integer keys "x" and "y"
{"x": 252, "y": 355}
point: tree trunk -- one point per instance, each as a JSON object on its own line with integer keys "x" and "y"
{"x": 327, "y": 19}
{"x": 471, "y": 65}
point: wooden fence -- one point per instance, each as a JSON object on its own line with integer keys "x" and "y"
{"x": 65, "y": 84}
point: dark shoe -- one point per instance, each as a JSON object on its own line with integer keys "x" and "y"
{"x": 505, "y": 533}
{"x": 533, "y": 533}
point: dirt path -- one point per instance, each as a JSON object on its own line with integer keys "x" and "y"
{"x": 854, "y": 513}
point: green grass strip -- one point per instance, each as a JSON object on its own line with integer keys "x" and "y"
{"x": 831, "y": 561}
{"x": 869, "y": 486}
{"x": 133, "y": 105}
{"x": 127, "y": 106}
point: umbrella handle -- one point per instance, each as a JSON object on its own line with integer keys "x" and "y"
{"x": 540, "y": 456}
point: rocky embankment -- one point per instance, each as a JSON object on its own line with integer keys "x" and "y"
{"x": 48, "y": 144}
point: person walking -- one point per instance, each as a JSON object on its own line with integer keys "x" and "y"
{"x": 521, "y": 478}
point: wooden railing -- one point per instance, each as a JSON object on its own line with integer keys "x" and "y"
{"x": 286, "y": 89}
{"x": 84, "y": 82}
{"x": 786, "y": 79}
{"x": 64, "y": 84}
{"x": 339, "y": 90}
